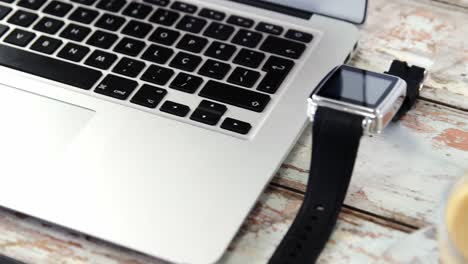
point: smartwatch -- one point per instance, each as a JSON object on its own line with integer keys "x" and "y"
{"x": 348, "y": 103}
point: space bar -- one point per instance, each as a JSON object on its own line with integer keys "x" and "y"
{"x": 50, "y": 68}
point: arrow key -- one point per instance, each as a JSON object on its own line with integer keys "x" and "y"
{"x": 207, "y": 117}
{"x": 175, "y": 108}
{"x": 236, "y": 126}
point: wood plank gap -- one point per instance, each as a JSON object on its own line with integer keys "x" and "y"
{"x": 443, "y": 104}
{"x": 447, "y": 3}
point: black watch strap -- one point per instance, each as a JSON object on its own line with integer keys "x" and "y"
{"x": 336, "y": 137}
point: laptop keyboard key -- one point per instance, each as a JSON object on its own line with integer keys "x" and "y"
{"x": 22, "y": 18}
{"x": 137, "y": 10}
{"x": 111, "y": 5}
{"x": 235, "y": 96}
{"x": 192, "y": 43}
{"x": 84, "y": 15}
{"x": 102, "y": 39}
{"x": 277, "y": 69}
{"x": 137, "y": 29}
{"x": 46, "y": 45}
{"x": 184, "y": 7}
{"x": 299, "y": 36}
{"x": 206, "y": 117}
{"x": 175, "y": 108}
{"x": 20, "y": 37}
{"x": 220, "y": 51}
{"x": 269, "y": 28}
{"x": 117, "y": 87}
{"x": 157, "y": 75}
{"x": 244, "y": 77}
{"x": 164, "y": 36}
{"x": 110, "y": 22}
{"x": 129, "y": 67}
{"x": 149, "y": 96}
{"x": 128, "y": 46}
{"x": 191, "y": 24}
{"x": 247, "y": 38}
{"x": 57, "y": 8}
{"x": 3, "y": 29}
{"x": 236, "y": 126}
{"x": 157, "y": 54}
{"x": 84, "y": 2}
{"x": 4, "y": 11}
{"x": 249, "y": 58}
{"x": 157, "y": 2}
{"x": 283, "y": 47}
{"x": 185, "y": 61}
{"x": 212, "y": 14}
{"x": 75, "y": 32}
{"x": 164, "y": 17}
{"x": 219, "y": 31}
{"x": 101, "y": 59}
{"x": 240, "y": 21}
{"x": 48, "y": 25}
{"x": 31, "y": 4}
{"x": 73, "y": 52}
{"x": 186, "y": 83}
{"x": 214, "y": 69}
{"x": 213, "y": 107}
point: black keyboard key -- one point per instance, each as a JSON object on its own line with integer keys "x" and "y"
{"x": 269, "y": 28}
{"x": 22, "y": 18}
{"x": 185, "y": 61}
{"x": 157, "y": 75}
{"x": 212, "y": 107}
{"x": 129, "y": 46}
{"x": 3, "y": 29}
{"x": 149, "y": 96}
{"x": 48, "y": 25}
{"x": 137, "y": 10}
{"x": 214, "y": 69}
{"x": 244, "y": 77}
{"x": 102, "y": 39}
{"x": 84, "y": 15}
{"x": 235, "y": 96}
{"x": 240, "y": 21}
{"x": 219, "y": 31}
{"x": 101, "y": 59}
{"x": 57, "y": 8}
{"x": 236, "y": 126}
{"x": 46, "y": 45}
{"x": 186, "y": 82}
{"x": 7, "y": 1}
{"x": 247, "y": 38}
{"x": 221, "y": 51}
{"x": 110, "y": 22}
{"x": 206, "y": 117}
{"x": 191, "y": 24}
{"x": 175, "y": 108}
{"x": 283, "y": 47}
{"x": 157, "y": 54}
{"x": 192, "y": 43}
{"x": 4, "y": 11}
{"x": 117, "y": 87}
{"x": 249, "y": 58}
{"x": 164, "y": 17}
{"x": 184, "y": 7}
{"x": 212, "y": 14}
{"x": 164, "y": 36}
{"x": 31, "y": 4}
{"x": 47, "y": 67}
{"x": 75, "y": 32}
{"x": 299, "y": 36}
{"x": 19, "y": 37}
{"x": 277, "y": 69}
{"x": 111, "y": 5}
{"x": 84, "y": 2}
{"x": 157, "y": 2}
{"x": 129, "y": 67}
{"x": 73, "y": 52}
{"x": 137, "y": 29}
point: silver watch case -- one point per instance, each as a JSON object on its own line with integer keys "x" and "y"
{"x": 375, "y": 119}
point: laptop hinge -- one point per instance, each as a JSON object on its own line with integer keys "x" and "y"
{"x": 276, "y": 8}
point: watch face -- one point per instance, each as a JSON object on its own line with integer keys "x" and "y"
{"x": 357, "y": 86}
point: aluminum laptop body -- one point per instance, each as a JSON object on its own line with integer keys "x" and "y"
{"x": 157, "y": 183}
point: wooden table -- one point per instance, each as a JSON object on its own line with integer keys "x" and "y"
{"x": 395, "y": 191}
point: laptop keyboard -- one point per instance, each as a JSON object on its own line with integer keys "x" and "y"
{"x": 142, "y": 51}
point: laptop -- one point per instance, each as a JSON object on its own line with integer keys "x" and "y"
{"x": 157, "y": 124}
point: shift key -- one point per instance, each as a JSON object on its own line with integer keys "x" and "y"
{"x": 235, "y": 96}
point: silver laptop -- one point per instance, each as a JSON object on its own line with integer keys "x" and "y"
{"x": 157, "y": 124}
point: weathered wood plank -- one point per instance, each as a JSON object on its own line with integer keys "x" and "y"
{"x": 355, "y": 239}
{"x": 424, "y": 33}
{"x": 402, "y": 173}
